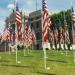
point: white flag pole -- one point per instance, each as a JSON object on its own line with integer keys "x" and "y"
{"x": 24, "y": 50}
{"x": 45, "y": 65}
{"x": 44, "y": 43}
{"x": 16, "y": 33}
{"x": 43, "y": 46}
{"x": 23, "y": 36}
{"x": 16, "y": 41}
{"x": 9, "y": 37}
{"x": 9, "y": 48}
{"x": 5, "y": 46}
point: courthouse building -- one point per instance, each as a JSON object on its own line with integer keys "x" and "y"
{"x": 36, "y": 24}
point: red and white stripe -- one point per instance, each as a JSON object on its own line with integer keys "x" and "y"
{"x": 52, "y": 38}
{"x": 6, "y": 35}
{"x": 73, "y": 18}
{"x": 74, "y": 38}
{"x": 18, "y": 17}
{"x": 33, "y": 37}
{"x": 46, "y": 22}
{"x": 27, "y": 35}
{"x": 19, "y": 24}
{"x": 67, "y": 37}
{"x": 56, "y": 36}
{"x": 61, "y": 36}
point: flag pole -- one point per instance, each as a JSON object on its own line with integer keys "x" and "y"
{"x": 43, "y": 43}
{"x": 45, "y": 34}
{"x": 45, "y": 63}
{"x": 16, "y": 33}
{"x": 24, "y": 51}
{"x": 16, "y": 41}
{"x": 5, "y": 46}
{"x": 10, "y": 38}
{"x": 9, "y": 48}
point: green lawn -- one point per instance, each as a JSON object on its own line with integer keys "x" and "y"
{"x": 32, "y": 63}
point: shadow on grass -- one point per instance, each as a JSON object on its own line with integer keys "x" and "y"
{"x": 22, "y": 66}
{"x": 45, "y": 73}
{"x": 4, "y": 60}
{"x": 57, "y": 60}
{"x": 28, "y": 56}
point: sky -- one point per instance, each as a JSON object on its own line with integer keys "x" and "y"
{"x": 6, "y": 7}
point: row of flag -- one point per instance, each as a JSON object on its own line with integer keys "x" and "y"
{"x": 57, "y": 37}
{"x": 73, "y": 26}
{"x": 27, "y": 35}
{"x": 23, "y": 32}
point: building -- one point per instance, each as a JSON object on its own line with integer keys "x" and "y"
{"x": 36, "y": 24}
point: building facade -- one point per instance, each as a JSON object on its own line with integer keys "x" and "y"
{"x": 36, "y": 24}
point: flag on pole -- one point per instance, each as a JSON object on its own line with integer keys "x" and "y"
{"x": 67, "y": 38}
{"x": 61, "y": 38}
{"x": 27, "y": 35}
{"x": 33, "y": 37}
{"x": 56, "y": 37}
{"x": 6, "y": 35}
{"x": 46, "y": 22}
{"x": 66, "y": 34}
{"x": 52, "y": 39}
{"x": 19, "y": 22}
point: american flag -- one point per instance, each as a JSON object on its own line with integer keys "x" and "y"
{"x": 6, "y": 35}
{"x": 67, "y": 37}
{"x": 19, "y": 22}
{"x": 27, "y": 35}
{"x": 73, "y": 25}
{"x": 52, "y": 38}
{"x": 18, "y": 15}
{"x": 33, "y": 37}
{"x": 61, "y": 36}
{"x": 56, "y": 36}
{"x": 66, "y": 33}
{"x": 25, "y": 39}
{"x": 46, "y": 22}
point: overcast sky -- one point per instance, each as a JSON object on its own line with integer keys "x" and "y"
{"x": 6, "y": 7}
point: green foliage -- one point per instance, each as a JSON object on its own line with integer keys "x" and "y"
{"x": 58, "y": 21}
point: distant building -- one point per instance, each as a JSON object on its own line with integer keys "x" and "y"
{"x": 36, "y": 24}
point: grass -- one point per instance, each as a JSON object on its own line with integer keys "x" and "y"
{"x": 32, "y": 63}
